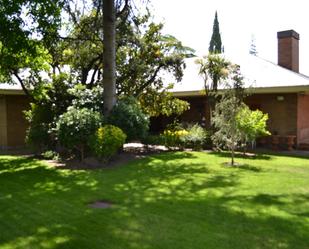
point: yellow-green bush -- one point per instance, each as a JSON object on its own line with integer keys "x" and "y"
{"x": 106, "y": 141}
{"x": 172, "y": 138}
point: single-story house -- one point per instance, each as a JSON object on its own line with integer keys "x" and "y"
{"x": 277, "y": 89}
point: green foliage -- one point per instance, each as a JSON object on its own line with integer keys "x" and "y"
{"x": 146, "y": 53}
{"x": 106, "y": 141}
{"x": 162, "y": 103}
{"x": 38, "y": 137}
{"x": 215, "y": 45}
{"x": 142, "y": 54}
{"x": 224, "y": 120}
{"x": 227, "y": 133}
{"x": 214, "y": 69}
{"x": 87, "y": 98}
{"x": 50, "y": 155}
{"x": 252, "y": 124}
{"x": 173, "y": 138}
{"x": 50, "y": 100}
{"x": 195, "y": 138}
{"x": 75, "y": 126}
{"x": 35, "y": 25}
{"x": 128, "y": 116}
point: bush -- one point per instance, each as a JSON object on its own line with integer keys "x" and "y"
{"x": 128, "y": 116}
{"x": 50, "y": 155}
{"x": 106, "y": 141}
{"x": 50, "y": 100}
{"x": 195, "y": 138}
{"x": 252, "y": 124}
{"x": 87, "y": 98}
{"x": 173, "y": 138}
{"x": 38, "y": 133}
{"x": 38, "y": 137}
{"x": 75, "y": 126}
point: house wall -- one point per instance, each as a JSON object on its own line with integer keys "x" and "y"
{"x": 281, "y": 109}
{"x": 282, "y": 113}
{"x": 12, "y": 122}
{"x": 3, "y": 122}
{"x": 198, "y": 112}
{"x": 195, "y": 114}
{"x": 303, "y": 119}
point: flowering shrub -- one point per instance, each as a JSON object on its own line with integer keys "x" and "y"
{"x": 195, "y": 137}
{"x": 173, "y": 138}
{"x": 106, "y": 141}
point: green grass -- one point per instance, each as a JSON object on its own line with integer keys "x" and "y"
{"x": 168, "y": 201}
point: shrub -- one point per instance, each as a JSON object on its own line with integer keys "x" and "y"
{"x": 38, "y": 133}
{"x": 50, "y": 100}
{"x": 128, "y": 116}
{"x": 38, "y": 137}
{"x": 195, "y": 138}
{"x": 75, "y": 126}
{"x": 252, "y": 124}
{"x": 173, "y": 138}
{"x": 50, "y": 155}
{"x": 87, "y": 98}
{"x": 106, "y": 141}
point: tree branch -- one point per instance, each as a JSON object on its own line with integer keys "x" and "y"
{"x": 124, "y": 9}
{"x": 92, "y": 78}
{"x": 148, "y": 82}
{"x": 15, "y": 73}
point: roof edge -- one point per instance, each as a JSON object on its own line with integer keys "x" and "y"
{"x": 283, "y": 89}
{"x": 12, "y": 92}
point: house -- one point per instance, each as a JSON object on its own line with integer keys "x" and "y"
{"x": 277, "y": 89}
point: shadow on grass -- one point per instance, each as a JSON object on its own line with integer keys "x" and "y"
{"x": 241, "y": 166}
{"x": 226, "y": 154}
{"x": 162, "y": 201}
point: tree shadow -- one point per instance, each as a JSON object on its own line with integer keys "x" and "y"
{"x": 159, "y": 203}
{"x": 238, "y": 155}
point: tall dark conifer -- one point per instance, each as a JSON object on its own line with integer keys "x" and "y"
{"x": 215, "y": 45}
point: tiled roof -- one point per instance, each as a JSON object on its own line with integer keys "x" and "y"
{"x": 258, "y": 74}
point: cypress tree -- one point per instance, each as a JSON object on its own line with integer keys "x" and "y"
{"x": 215, "y": 45}
{"x": 252, "y": 49}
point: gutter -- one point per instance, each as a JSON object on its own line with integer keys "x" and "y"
{"x": 257, "y": 90}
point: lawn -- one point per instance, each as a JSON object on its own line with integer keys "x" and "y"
{"x": 176, "y": 200}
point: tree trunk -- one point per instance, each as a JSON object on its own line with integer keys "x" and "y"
{"x": 109, "y": 55}
{"x": 232, "y": 162}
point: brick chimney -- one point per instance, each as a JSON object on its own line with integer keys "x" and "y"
{"x": 288, "y": 50}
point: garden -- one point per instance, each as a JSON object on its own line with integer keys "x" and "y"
{"x": 90, "y": 95}
{"x": 168, "y": 200}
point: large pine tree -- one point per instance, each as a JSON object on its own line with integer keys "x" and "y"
{"x": 215, "y": 45}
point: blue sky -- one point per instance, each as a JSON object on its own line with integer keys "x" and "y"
{"x": 191, "y": 22}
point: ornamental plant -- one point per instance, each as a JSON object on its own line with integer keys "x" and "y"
{"x": 106, "y": 141}
{"x": 195, "y": 137}
{"x": 75, "y": 126}
{"x": 173, "y": 138}
{"x": 252, "y": 124}
{"x": 128, "y": 116}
